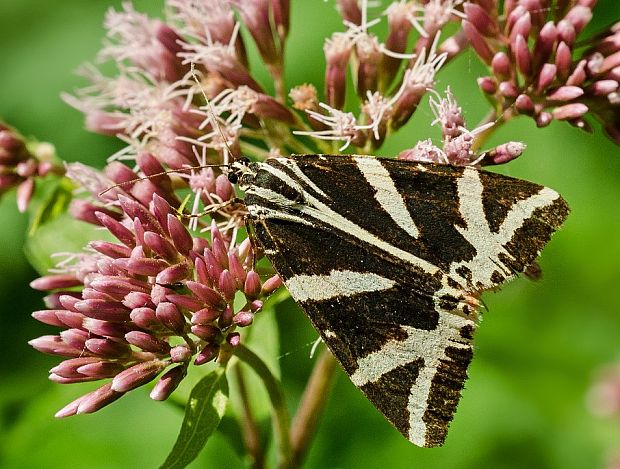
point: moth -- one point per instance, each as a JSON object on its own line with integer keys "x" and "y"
{"x": 388, "y": 259}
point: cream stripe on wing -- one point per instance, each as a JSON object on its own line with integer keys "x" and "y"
{"x": 323, "y": 213}
{"x": 336, "y": 283}
{"x": 386, "y": 193}
{"x": 293, "y": 166}
{"x": 430, "y": 345}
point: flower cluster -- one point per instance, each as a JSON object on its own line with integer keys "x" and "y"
{"x": 540, "y": 65}
{"x": 153, "y": 301}
{"x": 22, "y": 164}
{"x": 459, "y": 145}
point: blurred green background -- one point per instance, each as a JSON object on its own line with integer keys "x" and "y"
{"x": 537, "y": 350}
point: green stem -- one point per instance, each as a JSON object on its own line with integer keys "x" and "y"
{"x": 251, "y": 438}
{"x": 311, "y": 406}
{"x": 280, "y": 411}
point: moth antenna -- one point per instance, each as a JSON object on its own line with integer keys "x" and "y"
{"x": 163, "y": 173}
{"x": 211, "y": 113}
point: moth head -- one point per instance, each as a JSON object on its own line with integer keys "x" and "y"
{"x": 242, "y": 172}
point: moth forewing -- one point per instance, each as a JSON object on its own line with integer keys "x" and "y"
{"x": 388, "y": 259}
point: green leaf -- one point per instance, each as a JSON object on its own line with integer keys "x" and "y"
{"x": 53, "y": 198}
{"x": 203, "y": 413}
{"x": 62, "y": 234}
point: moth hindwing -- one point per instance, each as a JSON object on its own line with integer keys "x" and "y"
{"x": 388, "y": 259}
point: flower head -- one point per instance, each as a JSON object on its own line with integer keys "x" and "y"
{"x": 540, "y": 66}
{"x": 158, "y": 299}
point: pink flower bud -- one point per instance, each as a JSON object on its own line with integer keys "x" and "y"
{"x": 563, "y": 59}
{"x": 101, "y": 369}
{"x": 205, "y": 316}
{"x": 522, "y": 55}
{"x": 208, "y": 353}
{"x": 161, "y": 246}
{"x": 201, "y": 270}
{"x": 71, "y": 319}
{"x": 236, "y": 269}
{"x": 138, "y": 300}
{"x": 214, "y": 269}
{"x": 208, "y": 295}
{"x": 205, "y": 332}
{"x": 610, "y": 62}
{"x": 103, "y": 310}
{"x": 110, "y": 249}
{"x": 566, "y": 32}
{"x": 68, "y": 368}
{"x": 350, "y": 11}
{"x": 487, "y": 84}
{"x": 272, "y": 284}
{"x": 522, "y": 27}
{"x": 107, "y": 348}
{"x": 55, "y": 282}
{"x": 173, "y": 274}
{"x": 579, "y": 74}
{"x": 180, "y": 236}
{"x": 118, "y": 287}
{"x": 147, "y": 266}
{"x": 504, "y": 153}
{"x": 137, "y": 375}
{"x": 147, "y": 342}
{"x": 145, "y": 318}
{"x": 76, "y": 338}
{"x": 48, "y": 316}
{"x": 544, "y": 119}
{"x": 483, "y": 22}
{"x": 252, "y": 287}
{"x": 546, "y": 77}
{"x": 478, "y": 42}
{"x": 233, "y": 339}
{"x": 185, "y": 301}
{"x": 54, "y": 345}
{"x": 97, "y": 399}
{"x": 134, "y": 210}
{"x": 337, "y": 53}
{"x": 219, "y": 252}
{"x": 243, "y": 318}
{"x": 180, "y": 353}
{"x": 105, "y": 328}
{"x": 122, "y": 233}
{"x": 227, "y": 285}
{"x": 545, "y": 43}
{"x": 524, "y": 104}
{"x": 170, "y": 316}
{"x": 570, "y": 111}
{"x": 225, "y": 318}
{"x": 565, "y": 93}
{"x": 501, "y": 65}
{"x": 579, "y": 16}
{"x": 602, "y": 87}
{"x": 508, "y": 89}
{"x": 168, "y": 383}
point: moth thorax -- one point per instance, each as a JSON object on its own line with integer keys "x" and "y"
{"x": 242, "y": 172}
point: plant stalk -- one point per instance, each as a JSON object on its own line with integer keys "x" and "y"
{"x": 280, "y": 410}
{"x": 311, "y": 406}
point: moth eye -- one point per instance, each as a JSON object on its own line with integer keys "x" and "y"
{"x": 233, "y": 178}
